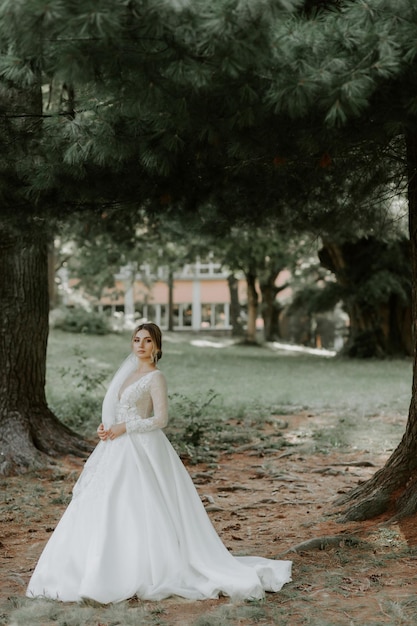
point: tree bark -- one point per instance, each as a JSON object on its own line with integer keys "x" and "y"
{"x": 170, "y": 299}
{"x": 394, "y": 487}
{"x": 53, "y": 298}
{"x": 253, "y": 300}
{"x": 269, "y": 314}
{"x": 271, "y": 308}
{"x": 28, "y": 429}
{"x": 235, "y": 319}
{"x": 27, "y": 426}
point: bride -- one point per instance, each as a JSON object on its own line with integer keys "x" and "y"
{"x": 136, "y": 525}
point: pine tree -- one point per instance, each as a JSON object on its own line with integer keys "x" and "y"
{"x": 125, "y": 117}
{"x": 356, "y": 69}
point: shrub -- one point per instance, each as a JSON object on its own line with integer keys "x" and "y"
{"x": 79, "y": 320}
{"x": 80, "y": 413}
{"x": 81, "y": 409}
{"x": 193, "y": 428}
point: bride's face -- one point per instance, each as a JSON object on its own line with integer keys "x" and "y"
{"x": 143, "y": 345}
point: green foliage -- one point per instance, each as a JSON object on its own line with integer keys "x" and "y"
{"x": 372, "y": 274}
{"x": 192, "y": 102}
{"x": 86, "y": 378}
{"x": 372, "y": 279}
{"x": 78, "y": 320}
{"x": 375, "y": 270}
{"x": 368, "y": 45}
{"x": 139, "y": 243}
{"x": 383, "y": 284}
{"x": 82, "y": 414}
{"x": 201, "y": 429}
{"x": 316, "y": 299}
{"x": 193, "y": 428}
{"x": 80, "y": 408}
{"x": 363, "y": 345}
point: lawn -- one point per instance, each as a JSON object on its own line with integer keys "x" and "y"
{"x": 245, "y": 378}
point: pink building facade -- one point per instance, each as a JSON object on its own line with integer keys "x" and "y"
{"x": 201, "y": 297}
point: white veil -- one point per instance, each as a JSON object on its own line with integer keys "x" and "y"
{"x": 108, "y": 417}
{"x": 111, "y": 397}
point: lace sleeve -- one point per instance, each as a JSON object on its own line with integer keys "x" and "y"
{"x": 159, "y": 395}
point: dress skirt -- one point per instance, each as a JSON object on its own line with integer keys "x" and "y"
{"x": 136, "y": 526}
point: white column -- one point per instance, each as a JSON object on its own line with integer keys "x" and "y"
{"x": 226, "y": 314}
{"x": 157, "y": 314}
{"x": 129, "y": 302}
{"x": 213, "y": 315}
{"x": 196, "y": 304}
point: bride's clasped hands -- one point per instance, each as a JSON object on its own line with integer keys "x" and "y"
{"x": 111, "y": 433}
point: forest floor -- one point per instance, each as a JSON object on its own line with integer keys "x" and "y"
{"x": 262, "y": 502}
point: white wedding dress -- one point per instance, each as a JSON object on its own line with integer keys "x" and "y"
{"x": 136, "y": 524}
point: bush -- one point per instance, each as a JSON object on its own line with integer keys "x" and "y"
{"x": 80, "y": 409}
{"x": 81, "y": 321}
{"x": 80, "y": 413}
{"x": 193, "y": 428}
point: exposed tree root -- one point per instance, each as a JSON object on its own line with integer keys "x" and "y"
{"x": 406, "y": 501}
{"x": 54, "y": 438}
{"x": 26, "y": 441}
{"x": 17, "y": 460}
{"x": 321, "y": 543}
{"x": 392, "y": 488}
{"x": 372, "y": 505}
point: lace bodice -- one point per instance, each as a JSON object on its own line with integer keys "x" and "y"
{"x": 143, "y": 405}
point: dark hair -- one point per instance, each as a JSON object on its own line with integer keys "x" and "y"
{"x": 156, "y": 336}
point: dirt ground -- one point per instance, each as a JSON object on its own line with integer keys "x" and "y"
{"x": 260, "y": 504}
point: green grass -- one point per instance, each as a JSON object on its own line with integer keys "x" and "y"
{"x": 249, "y": 383}
{"x": 43, "y": 612}
{"x": 246, "y": 377}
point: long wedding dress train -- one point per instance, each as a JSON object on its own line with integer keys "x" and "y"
{"x": 136, "y": 524}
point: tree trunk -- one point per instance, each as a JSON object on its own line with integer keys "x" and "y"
{"x": 253, "y": 300}
{"x": 235, "y": 319}
{"x": 27, "y": 426}
{"x": 394, "y": 487}
{"x": 270, "y": 306}
{"x": 170, "y": 299}
{"x": 380, "y": 323}
{"x": 53, "y": 297}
